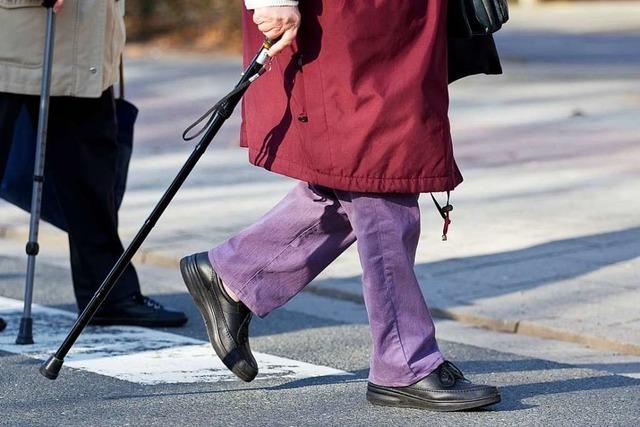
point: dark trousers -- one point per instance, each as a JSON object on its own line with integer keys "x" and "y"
{"x": 81, "y": 153}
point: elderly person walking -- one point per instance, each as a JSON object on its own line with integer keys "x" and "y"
{"x": 357, "y": 110}
{"x": 82, "y": 145}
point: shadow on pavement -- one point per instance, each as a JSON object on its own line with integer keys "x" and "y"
{"x": 528, "y": 268}
{"x": 538, "y": 265}
{"x": 535, "y": 266}
{"x": 278, "y": 322}
{"x": 512, "y": 395}
{"x": 528, "y": 365}
{"x": 496, "y": 274}
{"x": 548, "y": 47}
{"x": 360, "y": 376}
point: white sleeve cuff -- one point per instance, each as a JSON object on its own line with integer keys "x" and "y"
{"x": 255, "y": 4}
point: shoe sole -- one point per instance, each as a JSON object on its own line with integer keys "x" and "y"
{"x": 199, "y": 291}
{"x": 386, "y": 397}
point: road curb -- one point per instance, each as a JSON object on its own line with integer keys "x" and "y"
{"x": 522, "y": 327}
{"x": 164, "y": 259}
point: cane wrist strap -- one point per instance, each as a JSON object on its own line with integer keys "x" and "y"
{"x": 445, "y": 213}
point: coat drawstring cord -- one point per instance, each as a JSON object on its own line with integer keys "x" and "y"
{"x": 445, "y": 213}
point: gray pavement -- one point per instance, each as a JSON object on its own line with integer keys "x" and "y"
{"x": 560, "y": 385}
{"x": 544, "y": 244}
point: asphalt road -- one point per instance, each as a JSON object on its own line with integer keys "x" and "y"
{"x": 314, "y": 330}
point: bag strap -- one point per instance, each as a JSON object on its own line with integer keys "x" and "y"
{"x": 121, "y": 83}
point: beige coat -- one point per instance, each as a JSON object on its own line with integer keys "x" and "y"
{"x": 90, "y": 36}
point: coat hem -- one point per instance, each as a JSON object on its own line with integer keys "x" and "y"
{"x": 360, "y": 184}
{"x": 25, "y": 90}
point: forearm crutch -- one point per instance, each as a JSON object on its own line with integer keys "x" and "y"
{"x": 25, "y": 333}
{"x": 219, "y": 114}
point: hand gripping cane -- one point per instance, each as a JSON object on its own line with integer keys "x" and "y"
{"x": 25, "y": 333}
{"x": 220, "y": 113}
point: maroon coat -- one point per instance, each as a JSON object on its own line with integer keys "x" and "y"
{"x": 361, "y": 103}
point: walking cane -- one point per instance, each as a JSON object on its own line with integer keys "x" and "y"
{"x": 25, "y": 333}
{"x": 219, "y": 115}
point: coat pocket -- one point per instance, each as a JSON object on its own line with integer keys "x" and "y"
{"x": 22, "y": 33}
{"x": 14, "y": 4}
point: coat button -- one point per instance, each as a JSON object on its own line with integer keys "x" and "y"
{"x": 303, "y": 118}
{"x": 93, "y": 70}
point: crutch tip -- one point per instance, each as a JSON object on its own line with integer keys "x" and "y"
{"x": 51, "y": 368}
{"x": 25, "y": 333}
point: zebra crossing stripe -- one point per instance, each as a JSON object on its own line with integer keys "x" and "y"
{"x": 138, "y": 355}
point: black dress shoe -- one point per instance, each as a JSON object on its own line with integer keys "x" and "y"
{"x": 227, "y": 321}
{"x": 445, "y": 389}
{"x": 3, "y": 324}
{"x": 139, "y": 311}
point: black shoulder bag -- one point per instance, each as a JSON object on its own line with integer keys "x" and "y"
{"x": 468, "y": 18}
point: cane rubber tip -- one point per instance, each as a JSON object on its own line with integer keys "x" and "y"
{"x": 25, "y": 333}
{"x": 24, "y": 340}
{"x": 51, "y": 368}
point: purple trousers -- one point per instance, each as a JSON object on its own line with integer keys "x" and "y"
{"x": 271, "y": 261}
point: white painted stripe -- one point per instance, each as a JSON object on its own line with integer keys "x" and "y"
{"x": 193, "y": 364}
{"x": 139, "y": 355}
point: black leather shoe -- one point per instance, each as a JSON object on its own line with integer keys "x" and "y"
{"x": 3, "y": 324}
{"x": 445, "y": 389}
{"x": 227, "y": 321}
{"x": 139, "y": 311}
